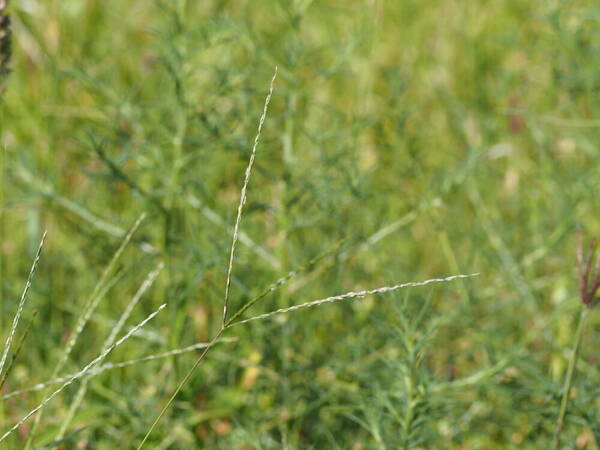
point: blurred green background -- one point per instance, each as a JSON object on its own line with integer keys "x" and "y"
{"x": 432, "y": 138}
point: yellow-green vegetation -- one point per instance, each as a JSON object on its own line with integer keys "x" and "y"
{"x": 404, "y": 141}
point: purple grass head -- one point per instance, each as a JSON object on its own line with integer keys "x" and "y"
{"x": 589, "y": 272}
{"x": 4, "y": 42}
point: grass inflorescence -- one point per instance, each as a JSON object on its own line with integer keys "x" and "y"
{"x": 5, "y": 43}
{"x": 286, "y": 220}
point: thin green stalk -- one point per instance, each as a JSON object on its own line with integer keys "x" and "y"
{"x": 22, "y": 301}
{"x": 17, "y": 350}
{"x": 564, "y": 404}
{"x": 180, "y": 386}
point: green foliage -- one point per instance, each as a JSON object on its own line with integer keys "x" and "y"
{"x": 404, "y": 141}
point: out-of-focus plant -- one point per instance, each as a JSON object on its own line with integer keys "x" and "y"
{"x": 4, "y": 43}
{"x": 589, "y": 283}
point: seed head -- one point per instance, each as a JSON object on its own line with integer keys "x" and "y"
{"x": 5, "y": 36}
{"x": 589, "y": 272}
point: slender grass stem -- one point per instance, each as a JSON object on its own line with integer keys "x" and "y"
{"x": 17, "y": 350}
{"x": 15, "y": 322}
{"x": 180, "y": 386}
{"x": 564, "y": 404}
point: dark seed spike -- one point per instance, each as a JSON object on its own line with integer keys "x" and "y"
{"x": 5, "y": 38}
{"x": 589, "y": 271}
{"x": 588, "y": 264}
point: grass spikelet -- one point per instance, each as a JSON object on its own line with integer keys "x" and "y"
{"x": 17, "y": 349}
{"x": 81, "y": 373}
{"x": 352, "y": 295}
{"x": 21, "y": 302}
{"x": 244, "y": 194}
